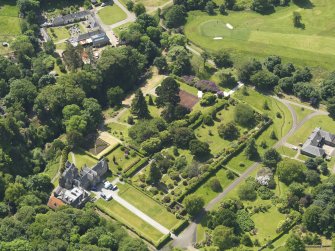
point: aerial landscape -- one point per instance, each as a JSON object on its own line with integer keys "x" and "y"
{"x": 141, "y": 125}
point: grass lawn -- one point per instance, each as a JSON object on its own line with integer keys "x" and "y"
{"x": 111, "y": 14}
{"x": 118, "y": 30}
{"x": 123, "y": 162}
{"x": 52, "y": 168}
{"x": 266, "y": 224}
{"x": 256, "y": 35}
{"x": 122, "y": 214}
{"x": 58, "y": 33}
{"x": 210, "y": 134}
{"x": 124, "y": 116}
{"x": 239, "y": 163}
{"x": 147, "y": 206}
{"x": 118, "y": 130}
{"x": 323, "y": 121}
{"x": 190, "y": 89}
{"x": 287, "y": 151}
{"x": 281, "y": 124}
{"x": 206, "y": 192}
{"x": 81, "y": 158}
{"x": 9, "y": 24}
{"x": 301, "y": 112}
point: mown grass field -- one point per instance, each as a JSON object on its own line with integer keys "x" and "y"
{"x": 123, "y": 161}
{"x": 256, "y": 35}
{"x": 58, "y": 33}
{"x": 9, "y": 24}
{"x": 123, "y": 215}
{"x": 148, "y": 206}
{"x": 111, "y": 14}
{"x": 301, "y": 112}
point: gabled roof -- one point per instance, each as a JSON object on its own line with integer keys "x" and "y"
{"x": 315, "y": 141}
{"x": 54, "y": 202}
{"x": 314, "y": 150}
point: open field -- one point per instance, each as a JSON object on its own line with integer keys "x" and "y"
{"x": 81, "y": 158}
{"x": 111, "y": 14}
{"x": 287, "y": 151}
{"x": 147, "y": 205}
{"x": 303, "y": 133}
{"x": 256, "y": 35}
{"x": 122, "y": 214}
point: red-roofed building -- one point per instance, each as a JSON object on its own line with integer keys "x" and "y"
{"x": 54, "y": 202}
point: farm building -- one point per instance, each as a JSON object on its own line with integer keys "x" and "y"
{"x": 70, "y": 18}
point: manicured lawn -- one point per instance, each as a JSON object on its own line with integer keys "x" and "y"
{"x": 240, "y": 163}
{"x": 266, "y": 224}
{"x": 323, "y": 121}
{"x": 206, "y": 192}
{"x": 151, "y": 3}
{"x": 256, "y": 35}
{"x": 147, "y": 206}
{"x": 123, "y": 161}
{"x": 111, "y": 14}
{"x": 9, "y": 23}
{"x": 52, "y": 168}
{"x": 81, "y": 159}
{"x": 118, "y": 130}
{"x": 123, "y": 27}
{"x": 124, "y": 116}
{"x": 58, "y": 33}
{"x": 282, "y": 124}
{"x": 122, "y": 214}
{"x": 301, "y": 112}
{"x": 210, "y": 134}
{"x": 287, "y": 151}
{"x": 190, "y": 89}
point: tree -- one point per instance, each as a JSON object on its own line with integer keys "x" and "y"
{"x": 167, "y": 92}
{"x": 312, "y": 177}
{"x": 248, "y": 69}
{"x": 205, "y": 56}
{"x": 154, "y": 174}
{"x": 22, "y": 91}
{"x": 227, "y": 79}
{"x": 244, "y": 115}
{"x": 14, "y": 192}
{"x": 294, "y": 243}
{"x": 208, "y": 99}
{"x": 224, "y": 238}
{"x": 271, "y": 62}
{"x": 198, "y": 148}
{"x": 297, "y": 19}
{"x": 161, "y": 64}
{"x": 139, "y": 9}
{"x": 247, "y": 191}
{"x": 264, "y": 80}
{"x": 72, "y": 57}
{"x": 271, "y": 158}
{"x": 178, "y": 59}
{"x": 250, "y": 150}
{"x": 215, "y": 185}
{"x": 182, "y": 136}
{"x": 222, "y": 58}
{"x": 132, "y": 244}
{"x": 139, "y": 106}
{"x": 331, "y": 107}
{"x": 49, "y": 47}
{"x": 175, "y": 16}
{"x": 115, "y": 96}
{"x": 228, "y": 131}
{"x": 289, "y": 171}
{"x": 210, "y": 8}
{"x": 229, "y": 4}
{"x": 262, "y": 6}
{"x": 194, "y": 204}
{"x": 222, "y": 9}
{"x": 130, "y": 5}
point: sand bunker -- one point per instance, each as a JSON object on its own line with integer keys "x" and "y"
{"x": 229, "y": 26}
{"x": 218, "y": 38}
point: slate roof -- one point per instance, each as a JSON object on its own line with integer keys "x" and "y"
{"x": 314, "y": 143}
{"x": 61, "y": 20}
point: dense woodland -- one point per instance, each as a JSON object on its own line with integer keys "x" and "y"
{"x": 41, "y": 115}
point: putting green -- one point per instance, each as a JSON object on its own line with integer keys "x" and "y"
{"x": 258, "y": 36}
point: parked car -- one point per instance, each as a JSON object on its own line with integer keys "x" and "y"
{"x": 103, "y": 195}
{"x": 108, "y": 185}
{"x": 115, "y": 188}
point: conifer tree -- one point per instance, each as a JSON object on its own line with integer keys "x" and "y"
{"x": 139, "y": 106}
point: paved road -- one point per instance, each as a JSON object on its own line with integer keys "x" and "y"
{"x": 130, "y": 207}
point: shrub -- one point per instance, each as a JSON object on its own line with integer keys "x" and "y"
{"x": 208, "y": 120}
{"x": 247, "y": 191}
{"x": 265, "y": 193}
{"x": 230, "y": 175}
{"x": 244, "y": 220}
{"x": 228, "y": 131}
{"x": 215, "y": 185}
{"x": 208, "y": 99}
